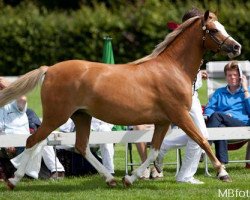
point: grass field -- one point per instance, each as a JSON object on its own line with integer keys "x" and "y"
{"x": 93, "y": 187}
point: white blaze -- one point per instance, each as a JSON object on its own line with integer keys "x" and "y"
{"x": 221, "y": 28}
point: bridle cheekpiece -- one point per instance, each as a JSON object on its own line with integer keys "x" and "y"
{"x": 207, "y": 31}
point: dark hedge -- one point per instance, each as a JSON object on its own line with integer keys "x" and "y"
{"x": 32, "y": 35}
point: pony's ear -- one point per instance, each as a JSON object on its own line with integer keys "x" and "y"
{"x": 216, "y": 12}
{"x": 206, "y": 15}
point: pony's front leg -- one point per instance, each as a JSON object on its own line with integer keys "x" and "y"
{"x": 110, "y": 180}
{"x": 137, "y": 173}
{"x": 159, "y": 134}
{"x": 187, "y": 125}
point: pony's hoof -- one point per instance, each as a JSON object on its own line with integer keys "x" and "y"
{"x": 157, "y": 167}
{"x": 225, "y": 178}
{"x": 9, "y": 185}
{"x": 126, "y": 182}
{"x": 112, "y": 183}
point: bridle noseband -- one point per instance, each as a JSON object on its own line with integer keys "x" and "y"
{"x": 207, "y": 31}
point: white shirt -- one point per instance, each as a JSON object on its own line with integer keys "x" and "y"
{"x": 198, "y": 82}
{"x": 96, "y": 125}
{"x": 12, "y": 120}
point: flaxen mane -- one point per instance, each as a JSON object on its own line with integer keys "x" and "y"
{"x": 168, "y": 39}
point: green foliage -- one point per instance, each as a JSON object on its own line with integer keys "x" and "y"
{"x": 203, "y": 93}
{"x": 34, "y": 101}
{"x": 33, "y": 35}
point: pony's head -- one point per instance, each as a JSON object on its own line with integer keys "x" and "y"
{"x": 216, "y": 38}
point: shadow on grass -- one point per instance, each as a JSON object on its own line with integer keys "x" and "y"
{"x": 96, "y": 183}
{"x": 80, "y": 184}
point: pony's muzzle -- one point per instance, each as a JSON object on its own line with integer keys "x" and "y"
{"x": 237, "y": 49}
{"x": 233, "y": 50}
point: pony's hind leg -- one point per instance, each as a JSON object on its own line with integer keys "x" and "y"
{"x": 33, "y": 148}
{"x": 29, "y": 158}
{"x": 82, "y": 122}
{"x": 159, "y": 134}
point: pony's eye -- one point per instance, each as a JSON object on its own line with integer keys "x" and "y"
{"x": 213, "y": 31}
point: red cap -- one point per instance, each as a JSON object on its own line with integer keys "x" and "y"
{"x": 172, "y": 25}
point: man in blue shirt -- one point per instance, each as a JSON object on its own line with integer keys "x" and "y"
{"x": 229, "y": 106}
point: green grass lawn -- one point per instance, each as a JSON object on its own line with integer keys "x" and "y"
{"x": 94, "y": 187}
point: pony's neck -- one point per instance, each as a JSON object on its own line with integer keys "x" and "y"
{"x": 187, "y": 50}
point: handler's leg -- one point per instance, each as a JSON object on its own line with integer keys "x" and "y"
{"x": 168, "y": 144}
{"x": 190, "y": 163}
{"x": 193, "y": 150}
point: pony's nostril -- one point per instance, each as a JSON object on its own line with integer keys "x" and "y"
{"x": 236, "y": 47}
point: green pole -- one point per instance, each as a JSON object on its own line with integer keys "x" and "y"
{"x": 108, "y": 56}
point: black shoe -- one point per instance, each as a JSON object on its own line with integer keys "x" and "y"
{"x": 57, "y": 175}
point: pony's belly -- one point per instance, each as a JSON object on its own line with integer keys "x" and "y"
{"x": 131, "y": 118}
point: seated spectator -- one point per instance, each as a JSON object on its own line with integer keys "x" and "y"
{"x": 107, "y": 150}
{"x": 13, "y": 120}
{"x": 229, "y": 106}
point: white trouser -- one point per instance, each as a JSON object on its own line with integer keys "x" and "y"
{"x": 50, "y": 159}
{"x": 33, "y": 167}
{"x": 193, "y": 150}
{"x": 107, "y": 152}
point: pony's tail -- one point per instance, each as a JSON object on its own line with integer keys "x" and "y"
{"x": 22, "y": 85}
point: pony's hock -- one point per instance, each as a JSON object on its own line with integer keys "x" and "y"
{"x": 114, "y": 93}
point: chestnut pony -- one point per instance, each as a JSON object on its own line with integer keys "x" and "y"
{"x": 156, "y": 89}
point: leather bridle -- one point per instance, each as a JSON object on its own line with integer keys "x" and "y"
{"x": 208, "y": 32}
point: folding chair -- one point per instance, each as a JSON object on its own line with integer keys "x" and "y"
{"x": 216, "y": 79}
